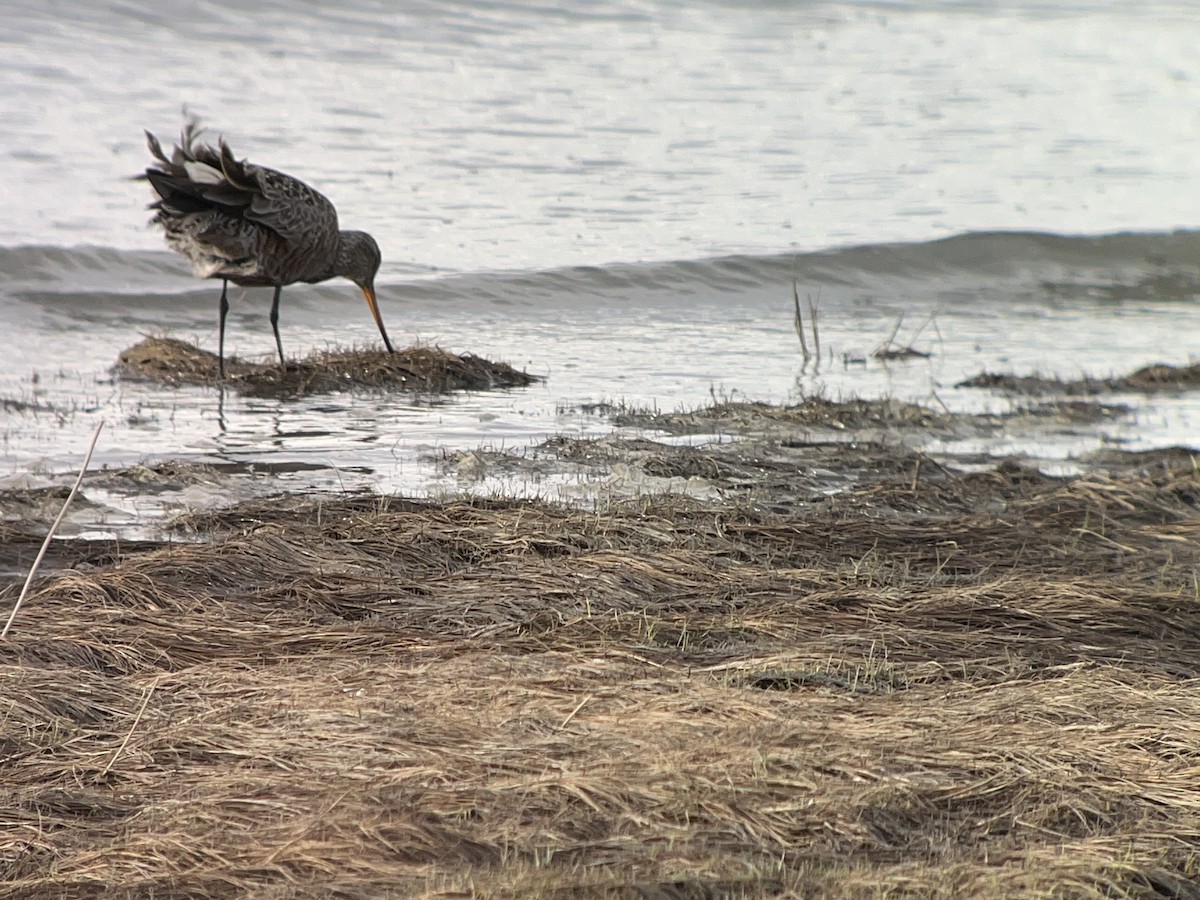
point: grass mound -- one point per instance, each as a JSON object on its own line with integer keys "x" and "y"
{"x": 423, "y": 369}
{"x": 1148, "y": 379}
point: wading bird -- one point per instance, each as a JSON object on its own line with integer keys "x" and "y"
{"x": 253, "y": 226}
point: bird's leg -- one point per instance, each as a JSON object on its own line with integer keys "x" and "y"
{"x": 275, "y": 322}
{"x": 221, "y": 329}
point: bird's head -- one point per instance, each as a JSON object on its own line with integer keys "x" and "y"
{"x": 358, "y": 259}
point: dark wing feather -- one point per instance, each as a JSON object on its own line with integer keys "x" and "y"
{"x": 286, "y": 205}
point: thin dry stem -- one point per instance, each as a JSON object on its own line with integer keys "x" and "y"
{"x": 887, "y": 343}
{"x": 813, "y": 304}
{"x": 798, "y": 321}
{"x": 53, "y": 528}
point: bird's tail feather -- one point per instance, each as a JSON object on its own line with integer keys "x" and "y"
{"x": 197, "y": 176}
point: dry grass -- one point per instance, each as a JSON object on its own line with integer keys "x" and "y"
{"x": 935, "y": 686}
{"x": 424, "y": 369}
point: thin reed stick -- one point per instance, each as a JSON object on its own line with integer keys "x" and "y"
{"x": 812, "y": 319}
{"x": 53, "y": 528}
{"x": 798, "y": 320}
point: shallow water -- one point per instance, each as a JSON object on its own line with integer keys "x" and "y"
{"x": 615, "y": 196}
{"x": 661, "y": 335}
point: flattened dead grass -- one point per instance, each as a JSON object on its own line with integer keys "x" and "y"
{"x": 935, "y": 685}
{"x": 422, "y": 369}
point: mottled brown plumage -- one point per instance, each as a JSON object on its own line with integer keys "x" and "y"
{"x": 253, "y": 226}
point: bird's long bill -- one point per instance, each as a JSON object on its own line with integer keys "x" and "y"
{"x": 369, "y": 292}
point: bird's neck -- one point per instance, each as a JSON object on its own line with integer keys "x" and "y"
{"x": 343, "y": 260}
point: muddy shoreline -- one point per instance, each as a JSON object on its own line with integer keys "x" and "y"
{"x": 812, "y": 661}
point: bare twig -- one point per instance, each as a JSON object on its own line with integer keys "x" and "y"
{"x": 46, "y": 543}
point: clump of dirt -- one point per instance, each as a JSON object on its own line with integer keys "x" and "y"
{"x": 894, "y": 354}
{"x": 1069, "y": 411}
{"x": 422, "y": 369}
{"x": 1146, "y": 461}
{"x": 168, "y": 473}
{"x": 1159, "y": 376}
{"x": 812, "y": 412}
{"x": 1148, "y": 379}
{"x": 932, "y": 683}
{"x": 1033, "y": 385}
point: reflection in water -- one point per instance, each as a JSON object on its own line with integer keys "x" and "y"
{"x": 222, "y": 422}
